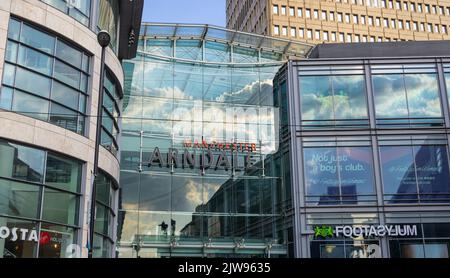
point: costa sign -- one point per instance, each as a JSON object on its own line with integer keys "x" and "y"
{"x": 14, "y": 234}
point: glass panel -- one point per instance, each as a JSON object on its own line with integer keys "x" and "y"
{"x": 189, "y": 49}
{"x": 68, "y": 54}
{"x": 390, "y": 96}
{"x": 399, "y": 177}
{"x": 321, "y": 178}
{"x": 60, "y": 207}
{"x": 316, "y": 98}
{"x": 63, "y": 173}
{"x": 37, "y": 39}
{"x": 20, "y": 162}
{"x": 40, "y": 85}
{"x": 102, "y": 247}
{"x": 35, "y": 60}
{"x": 103, "y": 184}
{"x": 355, "y": 172}
{"x": 14, "y": 29}
{"x": 101, "y": 219}
{"x": 29, "y": 105}
{"x": 18, "y": 199}
{"x": 217, "y": 52}
{"x": 67, "y": 74}
{"x": 6, "y": 95}
{"x": 154, "y": 193}
{"x": 56, "y": 241}
{"x": 11, "y": 51}
{"x": 18, "y": 248}
{"x": 9, "y": 73}
{"x": 65, "y": 95}
{"x": 349, "y": 97}
{"x": 423, "y": 95}
{"x": 432, "y": 172}
{"x": 64, "y": 117}
{"x": 108, "y": 19}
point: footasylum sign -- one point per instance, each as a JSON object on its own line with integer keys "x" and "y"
{"x": 365, "y": 231}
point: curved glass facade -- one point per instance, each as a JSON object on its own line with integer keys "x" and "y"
{"x": 60, "y": 74}
{"x": 80, "y": 10}
{"x": 40, "y": 191}
{"x": 200, "y": 162}
{"x": 111, "y": 112}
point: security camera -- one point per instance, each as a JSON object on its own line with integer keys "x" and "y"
{"x": 103, "y": 38}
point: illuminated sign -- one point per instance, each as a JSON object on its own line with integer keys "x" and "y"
{"x": 365, "y": 231}
{"x": 15, "y": 234}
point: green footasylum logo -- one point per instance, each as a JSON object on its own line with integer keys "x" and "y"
{"x": 323, "y": 231}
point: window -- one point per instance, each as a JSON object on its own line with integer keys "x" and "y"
{"x": 336, "y": 100}
{"x": 430, "y": 27}
{"x": 110, "y": 114}
{"x": 317, "y": 35}
{"x": 283, "y": 10}
{"x": 341, "y": 37}
{"x": 108, "y": 19}
{"x": 415, "y": 26}
{"x": 309, "y": 34}
{"x": 347, "y": 170}
{"x": 347, "y": 18}
{"x": 58, "y": 90}
{"x": 291, "y": 11}
{"x": 356, "y": 38}
{"x": 385, "y": 22}
{"x": 25, "y": 193}
{"x": 398, "y": 5}
{"x": 276, "y": 30}
{"x": 301, "y": 33}
{"x": 333, "y": 36}
{"x": 416, "y": 96}
{"x": 78, "y": 9}
{"x": 364, "y": 38}
{"x": 308, "y": 13}
{"x": 349, "y": 38}
{"x": 284, "y": 31}
{"x": 105, "y": 215}
{"x": 427, "y": 8}
{"x": 316, "y": 14}
{"x": 393, "y": 25}
{"x": 300, "y": 12}
{"x": 355, "y": 19}
{"x": 378, "y": 21}
{"x": 413, "y": 7}
{"x": 339, "y": 17}
{"x": 293, "y": 32}
{"x": 370, "y": 20}
{"x": 324, "y": 15}
{"x": 408, "y": 25}
{"x": 363, "y": 20}
{"x": 325, "y": 35}
{"x": 331, "y": 16}
{"x": 444, "y": 29}
{"x": 400, "y": 24}
{"x": 275, "y": 9}
{"x": 413, "y": 174}
{"x": 419, "y": 8}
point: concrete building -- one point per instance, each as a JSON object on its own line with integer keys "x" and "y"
{"x": 317, "y": 21}
{"x": 50, "y": 77}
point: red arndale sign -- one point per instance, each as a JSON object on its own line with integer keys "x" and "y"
{"x": 207, "y": 155}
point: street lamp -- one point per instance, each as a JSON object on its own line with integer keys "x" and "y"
{"x": 103, "y": 39}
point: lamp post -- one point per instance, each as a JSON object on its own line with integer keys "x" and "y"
{"x": 103, "y": 39}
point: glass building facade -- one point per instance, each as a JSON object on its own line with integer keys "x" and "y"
{"x": 40, "y": 192}
{"x": 200, "y": 157}
{"x": 370, "y": 146}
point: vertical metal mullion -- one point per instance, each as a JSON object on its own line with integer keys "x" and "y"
{"x": 41, "y": 202}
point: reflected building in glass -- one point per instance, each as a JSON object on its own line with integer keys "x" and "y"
{"x": 367, "y": 128}
{"x": 200, "y": 158}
